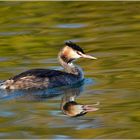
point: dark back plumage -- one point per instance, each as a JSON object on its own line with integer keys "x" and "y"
{"x": 74, "y": 46}
{"x": 41, "y": 73}
{"x": 41, "y": 78}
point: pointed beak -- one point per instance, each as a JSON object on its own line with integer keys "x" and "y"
{"x": 88, "y": 56}
{"x": 89, "y": 108}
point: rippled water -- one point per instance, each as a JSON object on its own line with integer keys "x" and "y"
{"x": 32, "y": 33}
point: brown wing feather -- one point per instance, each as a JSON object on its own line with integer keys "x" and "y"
{"x": 40, "y": 78}
{"x": 38, "y": 73}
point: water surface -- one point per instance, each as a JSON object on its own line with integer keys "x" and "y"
{"x": 32, "y": 33}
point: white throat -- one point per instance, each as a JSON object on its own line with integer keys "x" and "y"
{"x": 71, "y": 68}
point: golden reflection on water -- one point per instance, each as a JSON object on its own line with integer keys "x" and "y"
{"x": 32, "y": 33}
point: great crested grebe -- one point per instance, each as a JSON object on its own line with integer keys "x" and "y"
{"x": 45, "y": 78}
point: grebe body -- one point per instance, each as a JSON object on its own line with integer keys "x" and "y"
{"x": 46, "y": 78}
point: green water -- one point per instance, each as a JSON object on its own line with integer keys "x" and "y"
{"x": 32, "y": 33}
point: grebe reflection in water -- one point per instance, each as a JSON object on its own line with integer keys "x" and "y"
{"x": 45, "y": 78}
{"x": 74, "y": 109}
{"x": 68, "y": 103}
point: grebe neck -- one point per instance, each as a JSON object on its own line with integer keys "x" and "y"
{"x": 69, "y": 67}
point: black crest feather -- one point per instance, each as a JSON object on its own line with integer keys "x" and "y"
{"x": 74, "y": 46}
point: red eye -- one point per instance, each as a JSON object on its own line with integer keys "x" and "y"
{"x": 79, "y": 53}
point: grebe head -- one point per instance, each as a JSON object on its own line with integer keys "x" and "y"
{"x": 72, "y": 52}
{"x": 73, "y": 109}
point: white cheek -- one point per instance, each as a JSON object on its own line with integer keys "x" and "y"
{"x": 75, "y": 55}
{"x": 78, "y": 109}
